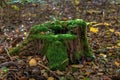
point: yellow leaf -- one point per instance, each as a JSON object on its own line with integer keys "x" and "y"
{"x": 76, "y": 2}
{"x": 106, "y": 24}
{"x": 25, "y": 33}
{"x": 118, "y": 44}
{"x": 87, "y": 73}
{"x": 24, "y": 15}
{"x": 111, "y": 30}
{"x": 15, "y": 7}
{"x": 117, "y": 33}
{"x": 32, "y": 62}
{"x": 51, "y": 78}
{"x": 117, "y": 63}
{"x": 94, "y": 30}
{"x": 64, "y": 19}
{"x": 103, "y": 55}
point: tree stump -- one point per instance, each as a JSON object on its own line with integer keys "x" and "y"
{"x": 63, "y": 42}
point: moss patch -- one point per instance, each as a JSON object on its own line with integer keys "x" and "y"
{"x": 57, "y": 55}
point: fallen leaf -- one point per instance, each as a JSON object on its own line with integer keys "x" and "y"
{"x": 51, "y": 78}
{"x": 100, "y": 74}
{"x": 59, "y": 72}
{"x": 87, "y": 73}
{"x": 17, "y": 31}
{"x": 111, "y": 30}
{"x": 25, "y": 78}
{"x": 15, "y": 7}
{"x": 76, "y": 2}
{"x": 42, "y": 33}
{"x": 25, "y": 33}
{"x": 109, "y": 54}
{"x": 118, "y": 44}
{"x": 77, "y": 66}
{"x": 103, "y": 55}
{"x": 117, "y": 63}
{"x": 117, "y": 33}
{"x": 106, "y": 24}
{"x": 64, "y": 19}
{"x": 24, "y": 15}
{"x": 1, "y": 49}
{"x": 94, "y": 30}
{"x": 32, "y": 62}
{"x": 31, "y": 79}
{"x": 91, "y": 11}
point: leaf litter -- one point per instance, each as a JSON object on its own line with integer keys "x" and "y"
{"x": 104, "y": 39}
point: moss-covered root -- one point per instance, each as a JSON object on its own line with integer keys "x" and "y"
{"x": 57, "y": 55}
{"x": 16, "y": 50}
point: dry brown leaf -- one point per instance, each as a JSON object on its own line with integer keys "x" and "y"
{"x": 23, "y": 78}
{"x": 1, "y": 49}
{"x": 59, "y": 72}
{"x": 87, "y": 73}
{"x": 100, "y": 74}
{"x": 42, "y": 33}
{"x": 109, "y": 54}
{"x": 77, "y": 66}
{"x": 31, "y": 79}
{"x": 64, "y": 19}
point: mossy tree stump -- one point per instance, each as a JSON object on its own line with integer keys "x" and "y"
{"x": 63, "y": 42}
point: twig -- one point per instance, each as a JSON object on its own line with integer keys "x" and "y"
{"x": 7, "y": 50}
{"x": 7, "y": 64}
{"x": 49, "y": 70}
{"x": 7, "y": 53}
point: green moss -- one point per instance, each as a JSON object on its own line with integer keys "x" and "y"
{"x": 38, "y": 29}
{"x": 57, "y": 55}
{"x": 17, "y": 49}
{"x": 76, "y": 23}
{"x": 57, "y": 25}
{"x": 53, "y": 37}
{"x": 78, "y": 55}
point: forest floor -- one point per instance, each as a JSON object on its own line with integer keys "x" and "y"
{"x": 104, "y": 38}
